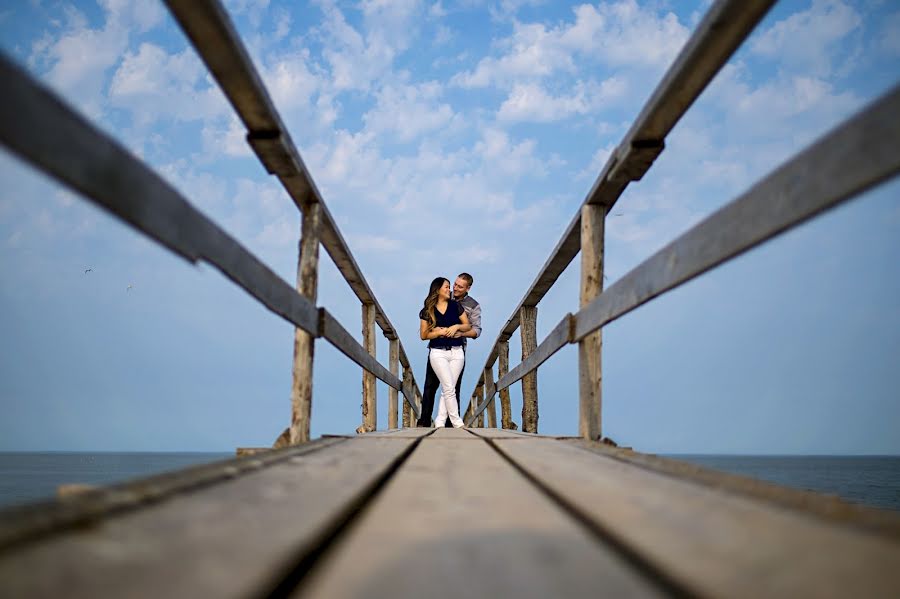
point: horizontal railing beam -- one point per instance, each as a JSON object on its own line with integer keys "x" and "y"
{"x": 38, "y": 126}
{"x": 857, "y": 155}
{"x": 210, "y": 31}
{"x": 724, "y": 27}
{"x": 332, "y": 331}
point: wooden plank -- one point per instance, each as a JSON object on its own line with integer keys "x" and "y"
{"x": 402, "y": 433}
{"x": 419, "y": 536}
{"x": 234, "y": 539}
{"x": 706, "y": 541}
{"x": 39, "y": 127}
{"x": 304, "y": 343}
{"x": 394, "y": 364}
{"x": 829, "y": 507}
{"x": 558, "y": 338}
{"x": 369, "y": 397}
{"x": 410, "y": 393}
{"x": 590, "y": 348}
{"x": 860, "y": 153}
{"x": 332, "y": 331}
{"x": 488, "y": 433}
{"x": 479, "y": 407}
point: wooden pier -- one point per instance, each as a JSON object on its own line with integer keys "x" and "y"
{"x": 412, "y": 512}
{"x": 449, "y": 513}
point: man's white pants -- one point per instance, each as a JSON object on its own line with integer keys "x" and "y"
{"x": 447, "y": 364}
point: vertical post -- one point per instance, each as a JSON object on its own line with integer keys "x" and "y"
{"x": 407, "y": 411}
{"x": 479, "y": 399}
{"x": 369, "y": 405}
{"x": 492, "y": 408}
{"x": 589, "y": 349}
{"x": 304, "y": 343}
{"x": 502, "y": 370}
{"x": 419, "y": 402}
{"x": 469, "y": 408}
{"x": 394, "y": 365}
{"x": 528, "y": 330}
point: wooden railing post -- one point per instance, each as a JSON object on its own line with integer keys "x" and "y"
{"x": 479, "y": 399}
{"x": 528, "y": 330}
{"x": 419, "y": 402}
{"x": 492, "y": 408}
{"x": 407, "y": 411}
{"x": 394, "y": 365}
{"x": 370, "y": 402}
{"x": 506, "y": 420}
{"x": 590, "y": 377}
{"x": 304, "y": 343}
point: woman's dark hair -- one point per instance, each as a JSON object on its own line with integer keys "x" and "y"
{"x": 432, "y": 298}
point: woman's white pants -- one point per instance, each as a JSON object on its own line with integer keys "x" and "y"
{"x": 447, "y": 364}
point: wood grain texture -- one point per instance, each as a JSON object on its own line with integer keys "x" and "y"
{"x": 304, "y": 343}
{"x": 235, "y": 539}
{"x": 506, "y": 420}
{"x": 712, "y": 543}
{"x": 479, "y": 407}
{"x": 518, "y": 545}
{"x": 394, "y": 364}
{"x": 590, "y": 373}
{"x": 528, "y": 329}
{"x": 489, "y": 392}
{"x": 369, "y": 391}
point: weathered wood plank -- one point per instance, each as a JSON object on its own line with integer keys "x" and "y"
{"x": 489, "y": 391}
{"x": 479, "y": 407}
{"x": 370, "y": 400}
{"x": 410, "y": 393}
{"x": 590, "y": 379}
{"x": 520, "y": 545}
{"x": 304, "y": 343}
{"x": 860, "y": 153}
{"x": 39, "y": 127}
{"x": 331, "y": 330}
{"x": 236, "y": 539}
{"x": 711, "y": 543}
{"x": 502, "y": 369}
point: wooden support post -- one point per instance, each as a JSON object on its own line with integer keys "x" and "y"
{"x": 407, "y": 411}
{"x": 528, "y": 330}
{"x": 479, "y": 399}
{"x": 492, "y": 408}
{"x": 506, "y": 420}
{"x": 589, "y": 349}
{"x": 304, "y": 343}
{"x": 394, "y": 365}
{"x": 370, "y": 402}
{"x": 419, "y": 402}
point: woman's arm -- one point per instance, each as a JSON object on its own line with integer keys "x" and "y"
{"x": 434, "y": 333}
{"x": 460, "y": 328}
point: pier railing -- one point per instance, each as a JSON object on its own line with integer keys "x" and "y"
{"x": 858, "y": 154}
{"x": 39, "y": 127}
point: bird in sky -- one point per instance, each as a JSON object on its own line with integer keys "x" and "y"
{"x": 87, "y": 270}
{"x": 129, "y": 288}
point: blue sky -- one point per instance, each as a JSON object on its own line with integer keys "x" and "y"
{"x": 449, "y": 136}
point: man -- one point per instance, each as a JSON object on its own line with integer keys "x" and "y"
{"x": 473, "y": 310}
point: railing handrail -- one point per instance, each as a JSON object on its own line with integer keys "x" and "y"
{"x": 40, "y": 127}
{"x": 858, "y": 154}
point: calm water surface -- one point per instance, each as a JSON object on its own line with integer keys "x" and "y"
{"x": 870, "y": 480}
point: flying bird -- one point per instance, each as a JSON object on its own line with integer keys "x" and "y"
{"x": 129, "y": 288}
{"x": 87, "y": 270}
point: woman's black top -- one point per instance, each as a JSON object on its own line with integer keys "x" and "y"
{"x": 447, "y": 319}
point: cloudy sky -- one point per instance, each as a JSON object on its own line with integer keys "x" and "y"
{"x": 448, "y": 136}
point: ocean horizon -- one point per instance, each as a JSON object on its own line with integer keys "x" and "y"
{"x": 872, "y": 480}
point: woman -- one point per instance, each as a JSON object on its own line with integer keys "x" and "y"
{"x": 441, "y": 319}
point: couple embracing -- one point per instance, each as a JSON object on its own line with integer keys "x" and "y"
{"x": 447, "y": 319}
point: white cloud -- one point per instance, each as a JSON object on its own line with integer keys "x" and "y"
{"x": 889, "y": 38}
{"x": 530, "y": 102}
{"x": 616, "y": 34}
{"x": 808, "y": 41}
{"x": 375, "y": 243}
{"x": 409, "y": 111}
